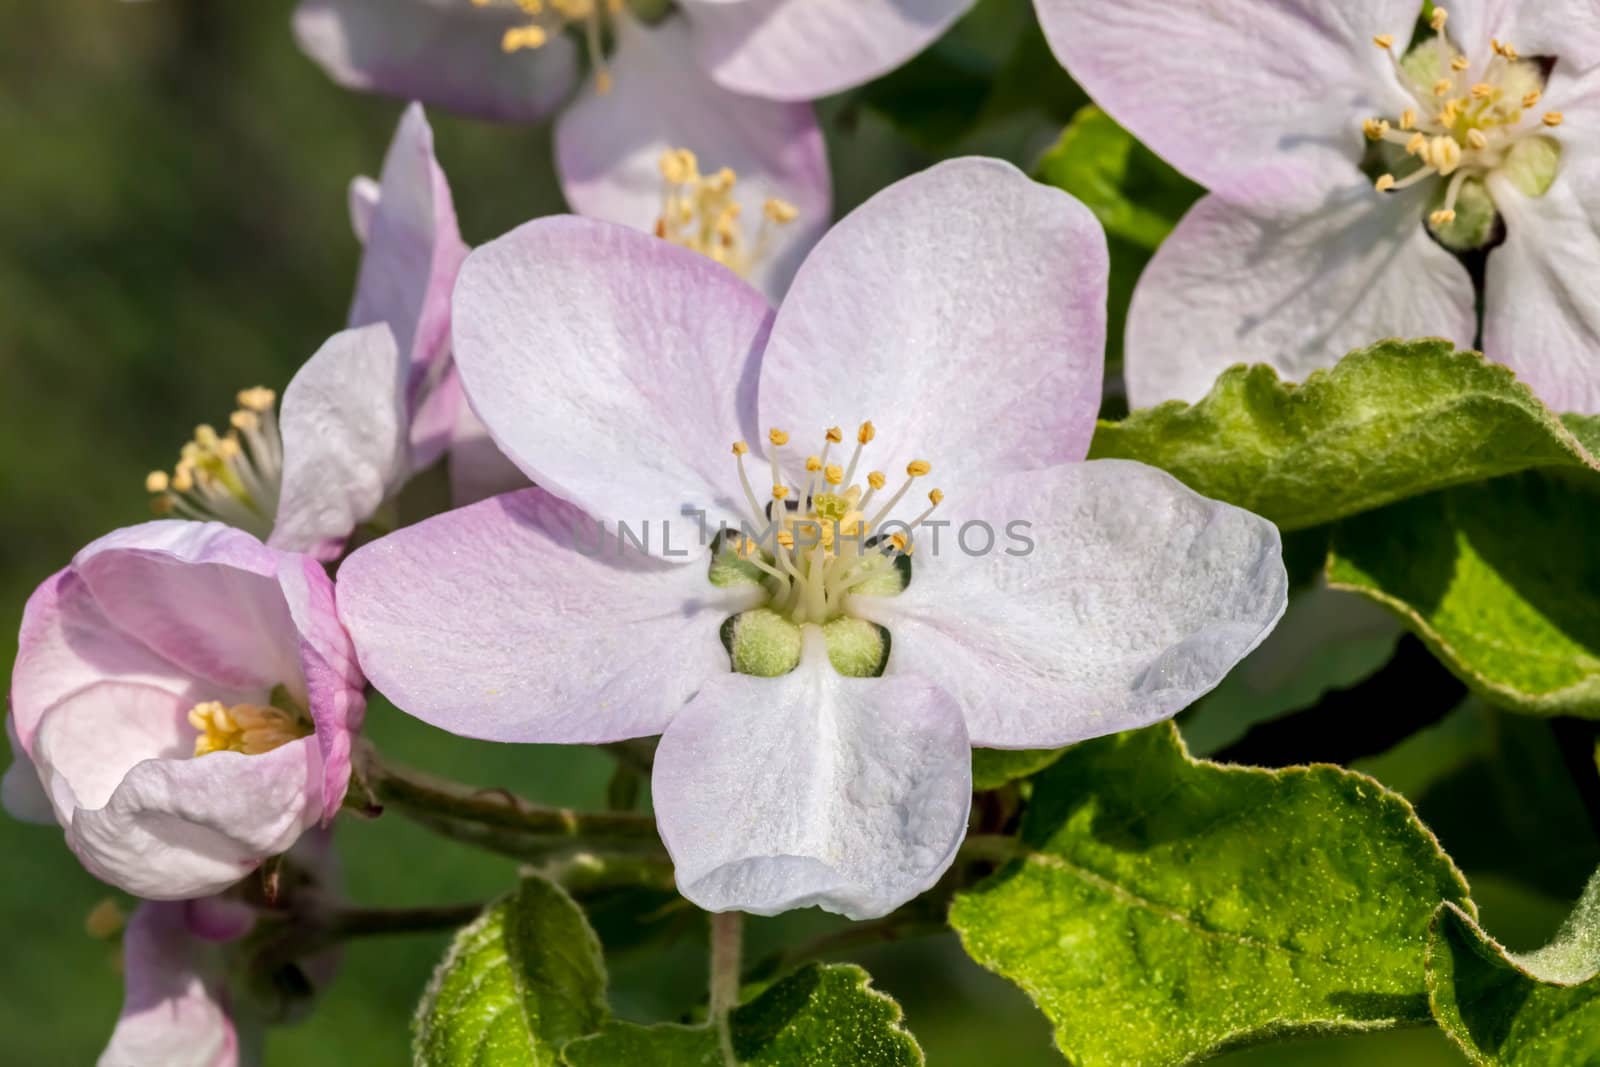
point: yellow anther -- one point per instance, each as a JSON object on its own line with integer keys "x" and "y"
{"x": 834, "y": 435}
{"x": 1476, "y": 139}
{"x": 1417, "y": 143}
{"x": 157, "y": 482}
{"x": 244, "y": 420}
{"x": 105, "y": 920}
{"x": 679, "y": 166}
{"x": 833, "y": 474}
{"x": 1384, "y": 41}
{"x": 780, "y": 492}
{"x": 1444, "y": 154}
{"x": 1384, "y": 183}
{"x": 778, "y": 438}
{"x": 1482, "y": 91}
{"x": 257, "y": 399}
{"x": 1459, "y": 63}
{"x": 876, "y": 479}
{"x": 901, "y": 543}
{"x": 740, "y": 448}
{"x": 786, "y": 538}
{"x": 248, "y": 728}
{"x": 519, "y": 37}
{"x": 1553, "y": 119}
{"x": 602, "y": 81}
{"x": 780, "y": 211}
{"x": 918, "y": 467}
{"x": 867, "y": 432}
{"x": 813, "y": 464}
{"x": 936, "y": 497}
{"x": 1438, "y": 19}
{"x": 1374, "y": 128}
{"x": 1532, "y": 99}
{"x": 205, "y": 436}
{"x": 1442, "y": 217}
{"x": 1503, "y": 48}
{"x": 1408, "y": 118}
{"x": 1442, "y": 87}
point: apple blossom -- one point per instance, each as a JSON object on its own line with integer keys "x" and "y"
{"x": 648, "y": 98}
{"x": 175, "y": 1010}
{"x": 376, "y": 403}
{"x": 818, "y": 685}
{"x": 186, "y": 698}
{"x": 1316, "y": 239}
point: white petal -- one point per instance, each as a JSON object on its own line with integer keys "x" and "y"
{"x": 1541, "y": 313}
{"x": 172, "y": 1013}
{"x": 364, "y": 195}
{"x": 1125, "y": 598}
{"x": 488, "y": 622}
{"x": 850, "y": 794}
{"x": 1293, "y": 267}
{"x": 1564, "y": 30}
{"x": 806, "y": 49}
{"x": 614, "y": 368}
{"x": 609, "y": 145}
{"x": 963, "y": 310}
{"x": 445, "y": 52}
{"x": 344, "y": 438}
{"x": 1221, "y": 87}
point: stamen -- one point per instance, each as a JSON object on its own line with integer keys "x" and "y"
{"x": 700, "y": 213}
{"x": 248, "y": 728}
{"x": 233, "y": 478}
{"x": 1384, "y": 41}
{"x": 1438, "y": 19}
{"x": 1553, "y": 119}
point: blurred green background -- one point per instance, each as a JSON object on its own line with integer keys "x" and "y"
{"x": 172, "y": 228}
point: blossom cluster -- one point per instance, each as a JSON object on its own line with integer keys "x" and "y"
{"x": 696, "y": 344}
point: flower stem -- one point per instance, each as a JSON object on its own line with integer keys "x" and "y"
{"x": 366, "y": 922}
{"x": 497, "y": 813}
{"x": 727, "y": 936}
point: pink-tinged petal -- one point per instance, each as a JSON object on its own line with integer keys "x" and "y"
{"x": 364, "y": 195}
{"x": 1541, "y": 317}
{"x": 511, "y": 620}
{"x": 202, "y": 596}
{"x": 1293, "y": 267}
{"x": 805, "y": 49}
{"x": 1564, "y": 30}
{"x": 963, "y": 310}
{"x": 345, "y": 445}
{"x": 335, "y": 689}
{"x": 613, "y": 368}
{"x": 609, "y": 145}
{"x": 413, "y": 251}
{"x": 1126, "y": 598}
{"x": 21, "y": 792}
{"x": 435, "y": 411}
{"x": 444, "y": 52}
{"x": 174, "y": 1012}
{"x": 87, "y": 743}
{"x": 1220, "y": 88}
{"x": 850, "y": 794}
{"x": 178, "y": 828}
{"x": 68, "y": 644}
{"x": 478, "y": 469}
{"x": 219, "y": 918}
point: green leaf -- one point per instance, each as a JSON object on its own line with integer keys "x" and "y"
{"x": 516, "y": 985}
{"x": 1499, "y": 579}
{"x": 995, "y": 767}
{"x": 1135, "y": 195}
{"x": 1172, "y": 907}
{"x": 820, "y": 1016}
{"x": 1532, "y": 1009}
{"x": 1393, "y": 421}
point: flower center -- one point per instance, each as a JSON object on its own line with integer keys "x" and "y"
{"x": 248, "y": 728}
{"x": 546, "y": 18}
{"x": 1463, "y": 130}
{"x": 819, "y": 542}
{"x": 233, "y": 477}
{"x": 699, "y": 213}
